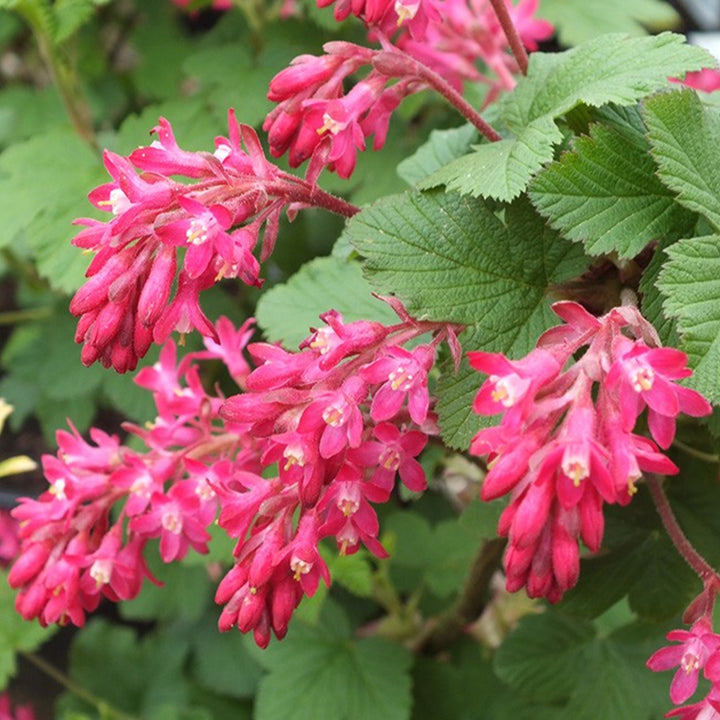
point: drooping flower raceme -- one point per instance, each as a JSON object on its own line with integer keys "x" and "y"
{"x": 457, "y": 41}
{"x": 565, "y": 444}
{"x": 312, "y": 415}
{"x": 168, "y": 240}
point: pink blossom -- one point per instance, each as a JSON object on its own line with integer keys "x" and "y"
{"x": 175, "y": 518}
{"x": 393, "y": 452}
{"x": 565, "y": 445}
{"x": 401, "y": 373}
{"x": 707, "y": 709}
{"x": 691, "y": 655}
{"x": 707, "y": 80}
{"x": 644, "y": 376}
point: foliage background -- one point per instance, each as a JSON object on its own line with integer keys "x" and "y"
{"x": 159, "y": 657}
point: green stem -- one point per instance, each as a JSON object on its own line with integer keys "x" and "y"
{"x": 105, "y": 709}
{"x": 12, "y": 317}
{"x": 699, "y": 454}
{"x": 471, "y": 603}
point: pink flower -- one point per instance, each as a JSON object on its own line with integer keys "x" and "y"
{"x": 707, "y": 709}
{"x": 401, "y": 373}
{"x": 691, "y": 654}
{"x": 565, "y": 445}
{"x": 707, "y": 80}
{"x": 202, "y": 233}
{"x": 336, "y": 417}
{"x": 178, "y": 520}
{"x": 393, "y": 453}
{"x": 530, "y": 28}
{"x": 643, "y": 375}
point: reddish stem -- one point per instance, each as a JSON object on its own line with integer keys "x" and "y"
{"x": 511, "y": 33}
{"x": 304, "y": 192}
{"x": 396, "y": 63}
{"x": 691, "y": 556}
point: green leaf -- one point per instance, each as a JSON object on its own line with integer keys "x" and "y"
{"x": 70, "y": 15}
{"x": 615, "y": 683}
{"x": 552, "y": 657}
{"x": 16, "y": 633}
{"x": 324, "y": 673}
{"x": 682, "y": 133}
{"x": 26, "y": 111}
{"x": 47, "y": 175}
{"x": 220, "y": 661}
{"x": 652, "y": 298}
{"x": 208, "y": 68}
{"x": 287, "y": 312}
{"x": 45, "y": 374}
{"x": 441, "y": 690}
{"x": 441, "y": 554}
{"x": 353, "y": 572}
{"x": 690, "y": 282}
{"x": 147, "y": 674}
{"x": 161, "y": 47}
{"x": 577, "y": 22}
{"x": 452, "y": 259}
{"x": 502, "y": 169}
{"x": 611, "y": 69}
{"x": 606, "y": 195}
{"x": 559, "y": 641}
{"x": 442, "y": 147}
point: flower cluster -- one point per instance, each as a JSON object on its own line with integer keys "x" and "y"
{"x": 698, "y": 649}
{"x": 168, "y": 240}
{"x": 335, "y": 422}
{"x": 423, "y": 42}
{"x": 84, "y": 538}
{"x": 566, "y": 444}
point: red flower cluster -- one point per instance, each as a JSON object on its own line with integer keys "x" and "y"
{"x": 337, "y": 420}
{"x": 136, "y": 294}
{"x": 317, "y": 120}
{"x": 566, "y": 445}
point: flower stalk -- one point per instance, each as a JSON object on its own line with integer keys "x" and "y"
{"x": 511, "y": 33}
{"x": 691, "y": 556}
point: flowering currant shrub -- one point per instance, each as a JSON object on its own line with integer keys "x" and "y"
{"x": 470, "y": 443}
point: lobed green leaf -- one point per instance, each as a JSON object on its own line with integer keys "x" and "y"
{"x": 690, "y": 282}
{"x": 605, "y": 194}
{"x": 449, "y": 258}
{"x": 683, "y": 134}
{"x": 442, "y": 147}
{"x": 322, "y": 673}
{"x": 611, "y": 69}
